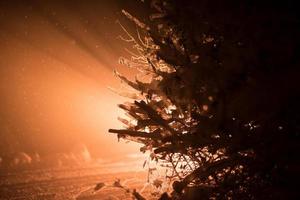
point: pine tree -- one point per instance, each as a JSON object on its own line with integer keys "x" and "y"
{"x": 217, "y": 96}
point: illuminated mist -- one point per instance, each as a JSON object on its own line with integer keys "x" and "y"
{"x": 56, "y": 62}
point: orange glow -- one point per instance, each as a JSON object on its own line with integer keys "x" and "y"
{"x": 55, "y": 66}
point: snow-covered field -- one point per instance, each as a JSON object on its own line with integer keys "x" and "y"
{"x": 69, "y": 184}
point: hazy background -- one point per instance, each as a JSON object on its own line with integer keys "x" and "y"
{"x": 56, "y": 61}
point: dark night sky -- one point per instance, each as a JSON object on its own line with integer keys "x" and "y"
{"x": 56, "y": 61}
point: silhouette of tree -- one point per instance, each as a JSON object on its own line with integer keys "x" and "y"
{"x": 217, "y": 96}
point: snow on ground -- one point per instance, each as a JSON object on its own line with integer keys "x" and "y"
{"x": 68, "y": 185}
